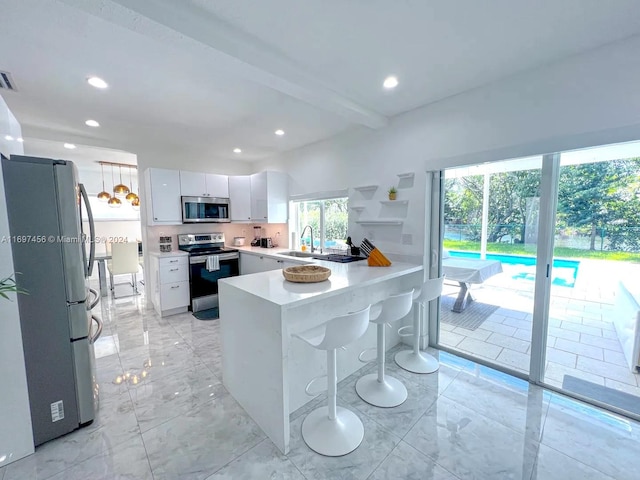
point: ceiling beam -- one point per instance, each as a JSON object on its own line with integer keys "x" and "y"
{"x": 237, "y": 52}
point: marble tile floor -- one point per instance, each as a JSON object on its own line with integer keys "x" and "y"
{"x": 164, "y": 414}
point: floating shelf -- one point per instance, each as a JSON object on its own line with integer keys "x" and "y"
{"x": 379, "y": 222}
{"x": 367, "y": 188}
{"x": 394, "y": 202}
{"x": 357, "y": 208}
{"x": 406, "y": 175}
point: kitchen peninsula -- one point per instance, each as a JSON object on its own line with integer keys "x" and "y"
{"x": 266, "y": 369}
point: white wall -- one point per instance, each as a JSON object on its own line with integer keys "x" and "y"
{"x": 16, "y": 437}
{"x": 589, "y": 99}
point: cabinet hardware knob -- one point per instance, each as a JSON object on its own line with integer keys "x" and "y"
{"x": 176, "y": 286}
{"x": 173, "y": 269}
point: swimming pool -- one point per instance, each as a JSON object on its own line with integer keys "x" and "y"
{"x": 564, "y": 272}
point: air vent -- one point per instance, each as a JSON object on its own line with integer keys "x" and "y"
{"x": 6, "y": 81}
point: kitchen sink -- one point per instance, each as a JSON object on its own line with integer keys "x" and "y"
{"x": 320, "y": 256}
{"x": 295, "y": 253}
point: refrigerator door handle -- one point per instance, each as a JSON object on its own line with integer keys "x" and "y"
{"x": 96, "y": 299}
{"x": 98, "y": 332}
{"x": 92, "y": 231}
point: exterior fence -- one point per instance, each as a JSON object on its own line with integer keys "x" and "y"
{"x": 609, "y": 238}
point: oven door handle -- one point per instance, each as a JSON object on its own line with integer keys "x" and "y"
{"x": 221, "y": 257}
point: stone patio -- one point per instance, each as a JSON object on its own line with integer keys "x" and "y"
{"x": 582, "y": 341}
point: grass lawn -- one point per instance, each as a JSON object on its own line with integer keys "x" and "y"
{"x": 561, "y": 252}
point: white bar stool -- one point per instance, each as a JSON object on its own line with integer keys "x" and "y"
{"x": 414, "y": 360}
{"x": 333, "y": 430}
{"x": 378, "y": 389}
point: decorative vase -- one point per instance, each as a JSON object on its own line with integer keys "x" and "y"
{"x": 392, "y": 195}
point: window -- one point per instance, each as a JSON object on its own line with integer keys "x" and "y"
{"x": 328, "y": 218}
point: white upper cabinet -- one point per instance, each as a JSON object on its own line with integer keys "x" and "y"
{"x": 195, "y": 184}
{"x": 240, "y": 198}
{"x": 259, "y": 211}
{"x": 217, "y": 185}
{"x": 259, "y": 198}
{"x": 163, "y": 196}
{"x": 269, "y": 197}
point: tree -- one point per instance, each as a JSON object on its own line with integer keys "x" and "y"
{"x": 597, "y": 195}
{"x": 509, "y": 198}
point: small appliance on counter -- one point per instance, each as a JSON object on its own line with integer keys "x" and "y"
{"x": 165, "y": 244}
{"x": 257, "y": 235}
{"x": 266, "y": 242}
{"x": 238, "y": 241}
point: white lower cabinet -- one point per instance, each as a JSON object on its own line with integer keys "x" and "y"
{"x": 170, "y": 288}
{"x": 250, "y": 263}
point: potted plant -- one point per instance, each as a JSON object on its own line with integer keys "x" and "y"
{"x": 392, "y": 193}
{"x": 8, "y": 285}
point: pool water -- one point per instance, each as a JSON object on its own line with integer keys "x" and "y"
{"x": 564, "y": 272}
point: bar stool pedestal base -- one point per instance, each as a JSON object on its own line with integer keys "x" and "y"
{"x": 332, "y": 438}
{"x": 417, "y": 362}
{"x": 389, "y": 393}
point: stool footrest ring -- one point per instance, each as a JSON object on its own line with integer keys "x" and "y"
{"x": 406, "y": 331}
{"x": 307, "y": 389}
{"x": 367, "y": 351}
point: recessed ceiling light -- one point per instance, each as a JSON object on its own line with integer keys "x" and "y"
{"x": 70, "y": 146}
{"x": 390, "y": 82}
{"x": 92, "y": 123}
{"x": 20, "y": 139}
{"x": 97, "y": 82}
{"x": 237, "y": 150}
{"x": 8, "y": 137}
{"x": 279, "y": 132}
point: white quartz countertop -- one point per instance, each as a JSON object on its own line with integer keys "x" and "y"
{"x": 270, "y": 252}
{"x": 272, "y": 285}
{"x": 176, "y": 253}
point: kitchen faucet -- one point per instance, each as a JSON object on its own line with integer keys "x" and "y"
{"x": 302, "y": 236}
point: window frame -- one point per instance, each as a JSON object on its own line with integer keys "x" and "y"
{"x": 321, "y": 198}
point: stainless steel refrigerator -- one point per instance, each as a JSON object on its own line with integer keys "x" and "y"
{"x": 44, "y": 204}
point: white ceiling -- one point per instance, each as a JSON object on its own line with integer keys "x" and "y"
{"x": 86, "y": 157}
{"x": 203, "y": 76}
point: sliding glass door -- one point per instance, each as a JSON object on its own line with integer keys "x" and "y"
{"x": 491, "y": 215}
{"x": 563, "y": 309}
{"x": 592, "y": 340}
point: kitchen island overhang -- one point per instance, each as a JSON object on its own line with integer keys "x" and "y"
{"x": 263, "y": 367}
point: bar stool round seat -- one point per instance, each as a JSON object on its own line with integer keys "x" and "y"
{"x": 377, "y": 388}
{"x": 331, "y": 430}
{"x": 416, "y": 361}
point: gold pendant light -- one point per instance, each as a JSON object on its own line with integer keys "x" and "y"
{"x": 114, "y": 201}
{"x": 131, "y": 196}
{"x": 136, "y": 203}
{"x": 121, "y": 189}
{"x": 103, "y": 196}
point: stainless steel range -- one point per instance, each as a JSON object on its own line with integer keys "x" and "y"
{"x": 209, "y": 261}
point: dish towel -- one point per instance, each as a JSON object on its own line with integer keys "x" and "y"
{"x": 213, "y": 263}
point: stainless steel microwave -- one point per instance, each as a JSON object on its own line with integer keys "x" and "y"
{"x": 205, "y": 210}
